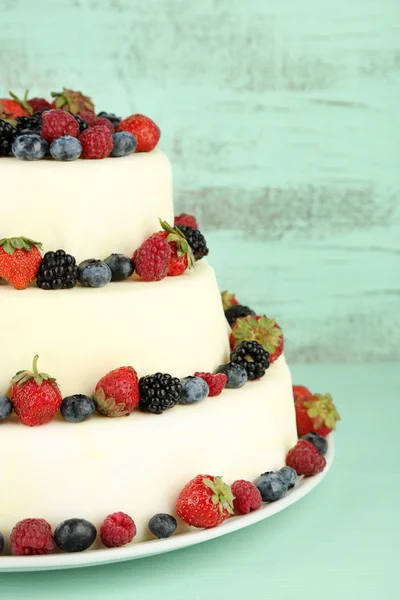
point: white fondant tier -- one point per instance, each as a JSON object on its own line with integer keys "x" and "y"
{"x": 138, "y": 464}
{"x": 176, "y": 326}
{"x": 89, "y": 208}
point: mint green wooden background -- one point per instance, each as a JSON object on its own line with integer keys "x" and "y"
{"x": 281, "y": 120}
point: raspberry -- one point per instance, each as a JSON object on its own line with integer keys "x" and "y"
{"x": 305, "y": 459}
{"x": 188, "y": 220}
{"x": 96, "y": 142}
{"x": 152, "y": 258}
{"x": 247, "y": 497}
{"x": 216, "y": 382}
{"x": 38, "y": 104}
{"x": 94, "y": 121}
{"x": 117, "y": 530}
{"x": 31, "y": 536}
{"x": 56, "y": 123}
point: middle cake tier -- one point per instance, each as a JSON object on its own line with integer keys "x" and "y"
{"x": 175, "y": 326}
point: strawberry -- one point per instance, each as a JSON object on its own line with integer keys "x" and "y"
{"x": 35, "y": 396}
{"x": 144, "y": 129}
{"x": 13, "y": 107}
{"x": 300, "y": 391}
{"x": 228, "y": 300}
{"x": 19, "y": 261}
{"x": 117, "y": 393}
{"x": 315, "y": 413}
{"x": 263, "y": 330}
{"x": 181, "y": 253}
{"x": 72, "y": 102}
{"x": 205, "y": 501}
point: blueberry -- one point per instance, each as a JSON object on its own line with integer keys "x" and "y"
{"x": 288, "y": 475}
{"x": 1, "y": 542}
{"x": 30, "y": 146}
{"x": 271, "y": 486}
{"x": 318, "y": 441}
{"x": 194, "y": 389}
{"x": 5, "y": 407}
{"x": 121, "y": 266}
{"x": 77, "y": 408}
{"x": 94, "y": 273}
{"x": 162, "y": 525}
{"x": 75, "y": 535}
{"x": 124, "y": 143}
{"x": 66, "y": 147}
{"x": 236, "y": 375}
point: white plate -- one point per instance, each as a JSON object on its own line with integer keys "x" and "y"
{"x": 144, "y": 549}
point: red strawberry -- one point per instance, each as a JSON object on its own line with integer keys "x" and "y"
{"x": 263, "y": 330}
{"x": 56, "y": 123}
{"x": 305, "y": 459}
{"x": 72, "y": 102}
{"x": 300, "y": 391}
{"x": 187, "y": 220}
{"x": 37, "y": 104}
{"x": 151, "y": 259}
{"x": 35, "y": 396}
{"x": 144, "y": 129}
{"x": 216, "y": 382}
{"x": 228, "y": 300}
{"x": 315, "y": 413}
{"x": 117, "y": 393}
{"x": 19, "y": 261}
{"x": 205, "y": 501}
{"x": 181, "y": 253}
{"x": 13, "y": 107}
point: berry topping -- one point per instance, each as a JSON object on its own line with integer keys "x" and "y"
{"x": 5, "y": 407}
{"x": 159, "y": 392}
{"x": 181, "y": 253}
{"x": 144, "y": 129}
{"x": 13, "y": 107}
{"x": 19, "y": 261}
{"x": 247, "y": 497}
{"x": 7, "y": 135}
{"x": 215, "y": 382}
{"x": 184, "y": 219}
{"x": 29, "y": 124}
{"x": 305, "y": 459}
{"x": 39, "y": 104}
{"x": 31, "y": 536}
{"x": 121, "y": 266}
{"x": 236, "y": 375}
{"x": 96, "y": 142}
{"x": 229, "y": 300}
{"x": 83, "y": 124}
{"x": 66, "y": 147}
{"x": 117, "y": 530}
{"x": 72, "y": 102}
{"x": 253, "y": 357}
{"x": 237, "y": 311}
{"x": 117, "y": 393}
{"x": 288, "y": 475}
{"x": 205, "y": 502}
{"x": 56, "y": 123}
{"x": 94, "y": 273}
{"x": 77, "y": 408}
{"x": 316, "y": 413}
{"x": 261, "y": 329}
{"x": 300, "y": 391}
{"x": 124, "y": 143}
{"x": 152, "y": 258}
{"x": 35, "y": 396}
{"x": 30, "y": 146}
{"x": 319, "y": 441}
{"x": 75, "y": 535}
{"x": 57, "y": 271}
{"x": 194, "y": 389}
{"x": 196, "y": 241}
{"x": 271, "y": 486}
{"x": 111, "y": 117}
{"x": 162, "y": 525}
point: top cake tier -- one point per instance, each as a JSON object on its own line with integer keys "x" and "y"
{"x": 88, "y": 208}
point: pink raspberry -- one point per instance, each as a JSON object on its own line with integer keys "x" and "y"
{"x": 216, "y": 382}
{"x": 305, "y": 459}
{"x": 247, "y": 497}
{"x": 56, "y": 123}
{"x": 93, "y": 120}
{"x": 188, "y": 220}
{"x": 152, "y": 258}
{"x": 96, "y": 142}
{"x": 117, "y": 530}
{"x": 31, "y": 536}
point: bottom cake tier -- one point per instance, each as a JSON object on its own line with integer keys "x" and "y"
{"x": 138, "y": 464}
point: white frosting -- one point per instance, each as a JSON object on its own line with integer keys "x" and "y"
{"x": 138, "y": 464}
{"x": 176, "y": 326}
{"x": 90, "y": 208}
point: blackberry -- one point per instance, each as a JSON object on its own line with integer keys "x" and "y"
{"x": 57, "y": 271}
{"x": 196, "y": 241}
{"x": 238, "y": 311}
{"x": 7, "y": 135}
{"x": 83, "y": 124}
{"x": 252, "y": 356}
{"x": 159, "y": 392}
{"x": 111, "y": 117}
{"x": 29, "y": 124}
